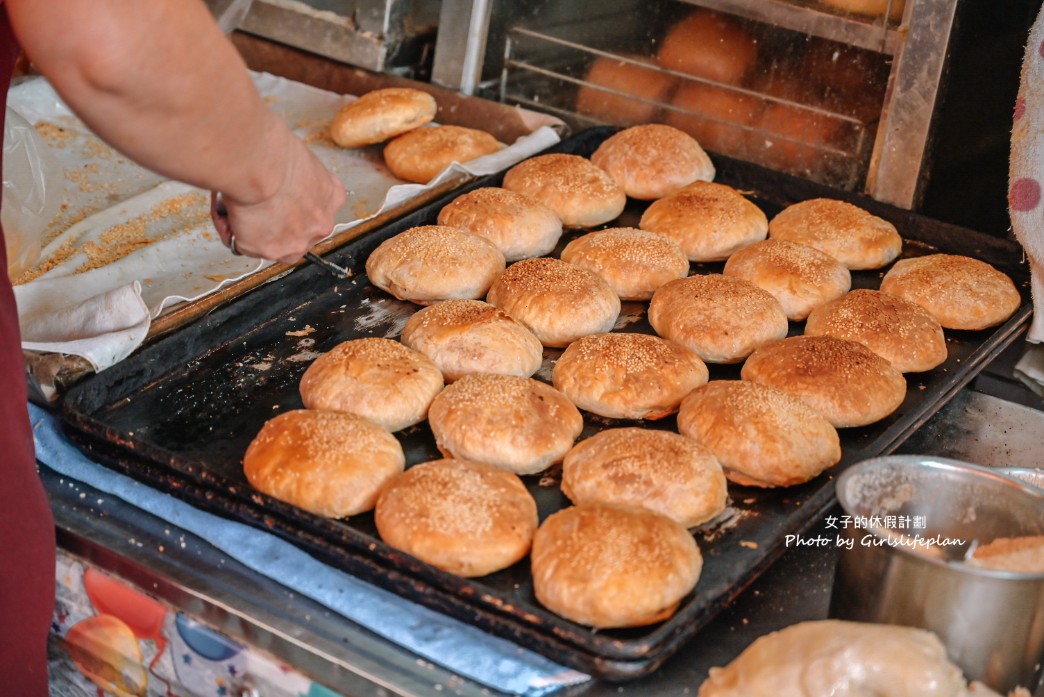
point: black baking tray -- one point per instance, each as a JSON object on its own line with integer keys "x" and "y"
{"x": 179, "y": 413}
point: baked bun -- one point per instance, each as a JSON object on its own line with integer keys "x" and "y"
{"x": 380, "y": 379}
{"x": 653, "y": 160}
{"x": 581, "y": 194}
{"x": 329, "y": 463}
{"x": 619, "y": 90}
{"x": 798, "y": 276}
{"x": 418, "y": 156}
{"x": 869, "y": 8}
{"x": 658, "y": 470}
{"x": 467, "y": 518}
{"x": 848, "y": 233}
{"x": 520, "y": 227}
{"x": 556, "y": 300}
{"x": 761, "y": 436}
{"x": 634, "y": 262}
{"x": 429, "y": 263}
{"x": 843, "y": 380}
{"x": 904, "y": 333}
{"x": 834, "y": 657}
{"x": 606, "y": 565}
{"x": 518, "y": 424}
{"x": 470, "y": 336}
{"x": 1023, "y": 555}
{"x": 797, "y": 135}
{"x": 718, "y": 117}
{"x": 627, "y": 376}
{"x": 710, "y": 221}
{"x": 381, "y": 114}
{"x": 720, "y": 318}
{"x": 709, "y": 45}
{"x": 958, "y": 291}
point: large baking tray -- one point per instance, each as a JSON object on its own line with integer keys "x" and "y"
{"x": 180, "y": 413}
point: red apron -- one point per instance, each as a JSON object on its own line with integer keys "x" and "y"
{"x": 27, "y": 543}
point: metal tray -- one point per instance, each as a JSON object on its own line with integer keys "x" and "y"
{"x": 180, "y": 413}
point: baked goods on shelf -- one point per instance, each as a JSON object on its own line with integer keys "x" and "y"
{"x": 959, "y": 291}
{"x": 518, "y": 424}
{"x": 762, "y": 436}
{"x": 471, "y": 336}
{"x": 658, "y": 470}
{"x": 826, "y": 657}
{"x": 720, "y": 118}
{"x": 620, "y": 90}
{"x": 520, "y": 226}
{"x": 627, "y": 375}
{"x": 709, "y": 221}
{"x": 904, "y": 333}
{"x": 419, "y": 155}
{"x": 800, "y": 277}
{"x": 869, "y": 8}
{"x": 467, "y": 518}
{"x": 607, "y": 565}
{"x": 581, "y": 194}
{"x": 381, "y": 114}
{"x": 653, "y": 160}
{"x": 556, "y": 300}
{"x": 380, "y": 379}
{"x": 850, "y": 234}
{"x": 429, "y": 263}
{"x": 843, "y": 380}
{"x": 329, "y": 463}
{"x": 721, "y": 319}
{"x": 634, "y": 262}
{"x": 709, "y": 45}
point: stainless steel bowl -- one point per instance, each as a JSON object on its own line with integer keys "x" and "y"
{"x": 912, "y": 572}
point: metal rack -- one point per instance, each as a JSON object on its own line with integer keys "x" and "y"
{"x": 525, "y": 58}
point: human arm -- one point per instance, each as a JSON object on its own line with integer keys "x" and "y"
{"x": 160, "y": 83}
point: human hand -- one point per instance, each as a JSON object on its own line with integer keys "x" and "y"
{"x": 289, "y": 222}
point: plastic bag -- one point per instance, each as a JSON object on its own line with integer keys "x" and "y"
{"x": 33, "y": 185}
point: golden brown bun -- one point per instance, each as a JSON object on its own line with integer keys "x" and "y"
{"x": 658, "y": 470}
{"x": 904, "y": 333}
{"x": 329, "y": 463}
{"x": 796, "y": 139}
{"x": 869, "y": 8}
{"x": 518, "y": 424}
{"x": 719, "y": 118}
{"x": 798, "y": 276}
{"x": 627, "y": 376}
{"x": 606, "y": 565}
{"x": 429, "y": 263}
{"x": 556, "y": 300}
{"x": 381, "y": 114}
{"x": 834, "y": 657}
{"x": 467, "y": 518}
{"x": 1019, "y": 554}
{"x": 470, "y": 336}
{"x": 634, "y": 262}
{"x": 418, "y": 156}
{"x": 709, "y": 45}
{"x": 581, "y": 194}
{"x": 620, "y": 92}
{"x": 761, "y": 436}
{"x": 653, "y": 160}
{"x": 720, "y": 318}
{"x": 520, "y": 227}
{"x": 710, "y": 221}
{"x": 960, "y": 292}
{"x": 843, "y": 380}
{"x": 381, "y": 379}
{"x": 848, "y": 233}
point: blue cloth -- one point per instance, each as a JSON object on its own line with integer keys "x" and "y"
{"x": 463, "y": 649}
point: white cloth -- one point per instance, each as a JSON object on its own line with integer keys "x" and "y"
{"x": 102, "y": 311}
